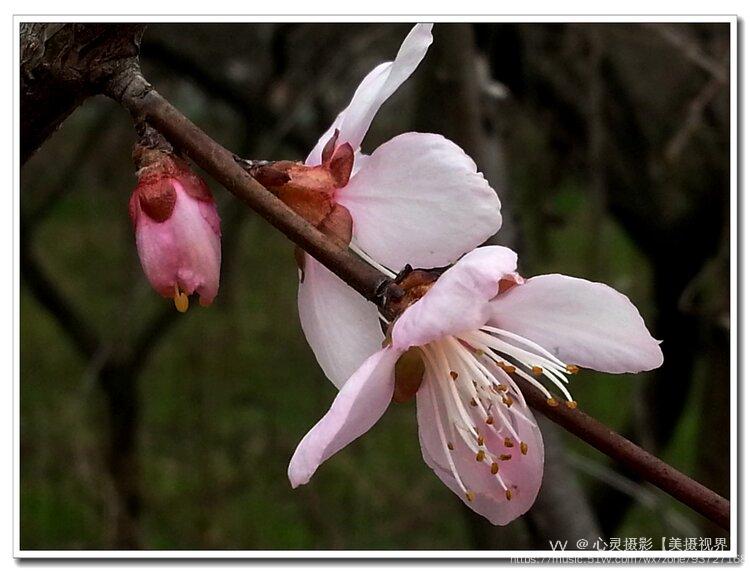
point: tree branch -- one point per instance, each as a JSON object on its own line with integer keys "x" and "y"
{"x": 62, "y": 65}
{"x": 132, "y": 91}
{"x": 145, "y": 103}
{"x": 646, "y": 465}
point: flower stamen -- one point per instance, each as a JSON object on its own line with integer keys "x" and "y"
{"x": 493, "y": 341}
{"x": 447, "y": 449}
{"x": 472, "y": 385}
{"x": 181, "y": 301}
{"x": 486, "y": 381}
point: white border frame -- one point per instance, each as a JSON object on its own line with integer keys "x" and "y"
{"x": 578, "y": 557}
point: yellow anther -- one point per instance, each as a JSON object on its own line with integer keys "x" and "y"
{"x": 480, "y": 440}
{"x": 450, "y": 446}
{"x": 181, "y": 301}
{"x": 479, "y": 352}
{"x": 489, "y": 420}
{"x": 552, "y": 402}
{"x": 524, "y": 448}
{"x": 536, "y": 370}
{"x": 470, "y": 495}
{"x": 508, "y": 368}
{"x": 454, "y": 375}
{"x": 494, "y": 468}
{"x": 503, "y": 387}
{"x": 480, "y": 456}
{"x": 504, "y": 457}
{"x": 572, "y": 404}
{"x": 473, "y": 402}
{"x": 508, "y": 494}
{"x": 508, "y": 443}
{"x": 508, "y": 401}
{"x": 572, "y": 369}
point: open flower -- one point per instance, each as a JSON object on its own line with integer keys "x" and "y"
{"x": 470, "y": 329}
{"x": 177, "y": 229}
{"x": 417, "y": 199}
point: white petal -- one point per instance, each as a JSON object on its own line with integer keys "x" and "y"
{"x": 583, "y": 323}
{"x": 374, "y": 90}
{"x": 341, "y": 327}
{"x": 361, "y": 402}
{"x": 522, "y": 473}
{"x": 459, "y": 301}
{"x": 418, "y": 199}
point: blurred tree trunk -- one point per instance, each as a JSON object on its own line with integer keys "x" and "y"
{"x": 116, "y": 377}
{"x": 710, "y": 300}
{"x": 119, "y": 385}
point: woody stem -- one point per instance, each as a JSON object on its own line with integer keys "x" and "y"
{"x": 132, "y": 91}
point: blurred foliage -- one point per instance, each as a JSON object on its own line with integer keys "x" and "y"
{"x": 228, "y": 390}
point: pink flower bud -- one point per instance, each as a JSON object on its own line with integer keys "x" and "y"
{"x": 177, "y": 229}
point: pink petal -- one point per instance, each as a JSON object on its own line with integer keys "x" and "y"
{"x": 522, "y": 473}
{"x": 418, "y": 199}
{"x": 581, "y": 322}
{"x": 183, "y": 250}
{"x": 374, "y": 90}
{"x": 360, "y": 403}
{"x": 458, "y": 301}
{"x": 341, "y": 327}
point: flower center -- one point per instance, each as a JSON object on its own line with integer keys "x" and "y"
{"x": 475, "y": 400}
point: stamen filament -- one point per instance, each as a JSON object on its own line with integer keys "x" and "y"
{"x": 537, "y": 364}
{"x": 526, "y": 341}
{"x": 468, "y": 360}
{"x": 520, "y": 372}
{"x": 449, "y": 366}
{"x": 444, "y": 441}
{"x": 367, "y": 258}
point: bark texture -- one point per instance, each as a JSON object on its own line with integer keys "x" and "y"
{"x": 61, "y": 66}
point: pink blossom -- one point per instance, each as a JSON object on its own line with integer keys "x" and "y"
{"x": 476, "y": 324}
{"x": 177, "y": 230}
{"x": 417, "y": 199}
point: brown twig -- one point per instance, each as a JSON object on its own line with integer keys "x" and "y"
{"x": 646, "y": 465}
{"x": 144, "y": 103}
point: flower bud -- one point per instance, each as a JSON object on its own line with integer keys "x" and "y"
{"x": 177, "y": 228}
{"x": 309, "y": 190}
